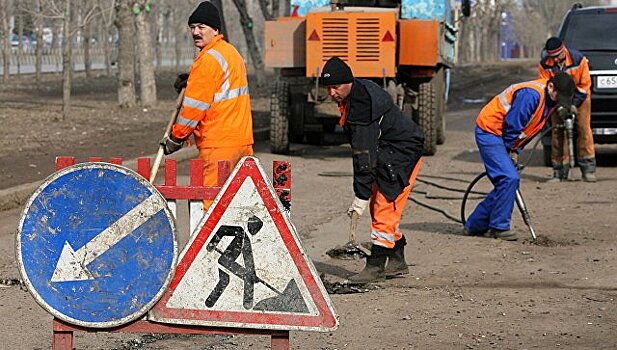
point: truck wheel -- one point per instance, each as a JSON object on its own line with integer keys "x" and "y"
{"x": 426, "y": 117}
{"x": 279, "y": 118}
{"x": 440, "y": 101}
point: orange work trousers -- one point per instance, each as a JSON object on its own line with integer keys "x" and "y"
{"x": 584, "y": 149}
{"x": 386, "y": 214}
{"x": 211, "y": 157}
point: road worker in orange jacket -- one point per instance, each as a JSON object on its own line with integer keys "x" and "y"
{"x": 503, "y": 127}
{"x": 387, "y": 150}
{"x": 558, "y": 58}
{"x": 216, "y": 107}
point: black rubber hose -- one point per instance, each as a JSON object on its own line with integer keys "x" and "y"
{"x": 467, "y": 192}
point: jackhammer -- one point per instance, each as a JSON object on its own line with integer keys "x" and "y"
{"x": 568, "y": 125}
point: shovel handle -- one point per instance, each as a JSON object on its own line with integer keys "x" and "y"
{"x": 354, "y": 226}
{"x": 172, "y": 120}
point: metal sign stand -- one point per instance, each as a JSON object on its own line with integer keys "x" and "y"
{"x": 195, "y": 191}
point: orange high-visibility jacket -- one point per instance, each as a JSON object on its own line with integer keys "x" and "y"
{"x": 492, "y": 116}
{"x": 576, "y": 65}
{"x": 216, "y": 107}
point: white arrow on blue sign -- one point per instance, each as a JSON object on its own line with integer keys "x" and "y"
{"x": 96, "y": 245}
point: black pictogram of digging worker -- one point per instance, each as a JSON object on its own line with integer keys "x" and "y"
{"x": 289, "y": 300}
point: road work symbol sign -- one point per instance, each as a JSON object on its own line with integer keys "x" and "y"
{"x": 244, "y": 266}
{"x": 96, "y": 245}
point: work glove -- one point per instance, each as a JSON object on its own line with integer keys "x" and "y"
{"x": 180, "y": 82}
{"x": 514, "y": 157}
{"x": 358, "y": 205}
{"x": 171, "y": 145}
{"x": 561, "y": 114}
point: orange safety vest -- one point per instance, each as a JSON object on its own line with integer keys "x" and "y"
{"x": 576, "y": 65}
{"x": 492, "y": 116}
{"x": 216, "y": 106}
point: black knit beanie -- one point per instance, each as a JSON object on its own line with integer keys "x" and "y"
{"x": 335, "y": 72}
{"x": 554, "y": 46}
{"x": 206, "y": 13}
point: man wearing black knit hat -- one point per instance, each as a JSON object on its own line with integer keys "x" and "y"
{"x": 558, "y": 58}
{"x": 216, "y": 108}
{"x": 387, "y": 150}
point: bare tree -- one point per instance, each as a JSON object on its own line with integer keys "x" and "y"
{"x": 533, "y": 21}
{"x": 124, "y": 21}
{"x": 38, "y": 23}
{"x": 19, "y": 17}
{"x": 84, "y": 8}
{"x": 5, "y": 39}
{"x": 162, "y": 12}
{"x": 219, "y": 6}
{"x": 66, "y": 61}
{"x": 480, "y": 32}
{"x": 254, "y": 51}
{"x": 107, "y": 11}
{"x": 144, "y": 45}
{"x": 268, "y": 15}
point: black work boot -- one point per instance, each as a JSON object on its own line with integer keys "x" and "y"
{"x": 506, "y": 235}
{"x": 375, "y": 265}
{"x": 396, "y": 260}
{"x": 560, "y": 173}
{"x": 588, "y": 169}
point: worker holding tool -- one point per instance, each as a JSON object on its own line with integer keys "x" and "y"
{"x": 503, "y": 127}
{"x": 556, "y": 57}
{"x": 216, "y": 107}
{"x": 387, "y": 149}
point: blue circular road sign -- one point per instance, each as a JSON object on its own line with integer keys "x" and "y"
{"x": 96, "y": 245}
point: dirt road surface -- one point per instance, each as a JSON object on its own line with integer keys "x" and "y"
{"x": 462, "y": 293}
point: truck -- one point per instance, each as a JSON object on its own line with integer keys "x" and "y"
{"x": 406, "y": 46}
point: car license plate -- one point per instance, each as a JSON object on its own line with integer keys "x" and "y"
{"x": 607, "y": 82}
{"x": 604, "y": 131}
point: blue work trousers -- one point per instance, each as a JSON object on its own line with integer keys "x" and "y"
{"x": 495, "y": 211}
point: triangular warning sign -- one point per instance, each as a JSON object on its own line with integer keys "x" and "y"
{"x": 245, "y": 266}
{"x": 314, "y": 36}
{"x": 387, "y": 37}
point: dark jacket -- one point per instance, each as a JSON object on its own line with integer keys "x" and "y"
{"x": 386, "y": 144}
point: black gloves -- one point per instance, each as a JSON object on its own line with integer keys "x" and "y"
{"x": 171, "y": 145}
{"x": 180, "y": 82}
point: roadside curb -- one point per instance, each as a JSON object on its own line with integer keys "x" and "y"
{"x": 17, "y": 196}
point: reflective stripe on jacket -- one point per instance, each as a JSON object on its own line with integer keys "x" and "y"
{"x": 216, "y": 107}
{"x": 517, "y": 114}
{"x": 576, "y": 65}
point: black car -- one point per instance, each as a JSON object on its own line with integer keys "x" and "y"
{"x": 592, "y": 31}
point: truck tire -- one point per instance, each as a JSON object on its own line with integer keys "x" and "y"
{"x": 279, "y": 118}
{"x": 440, "y": 102}
{"x": 426, "y": 117}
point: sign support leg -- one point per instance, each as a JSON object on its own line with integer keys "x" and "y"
{"x": 62, "y": 339}
{"x": 280, "y": 341}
